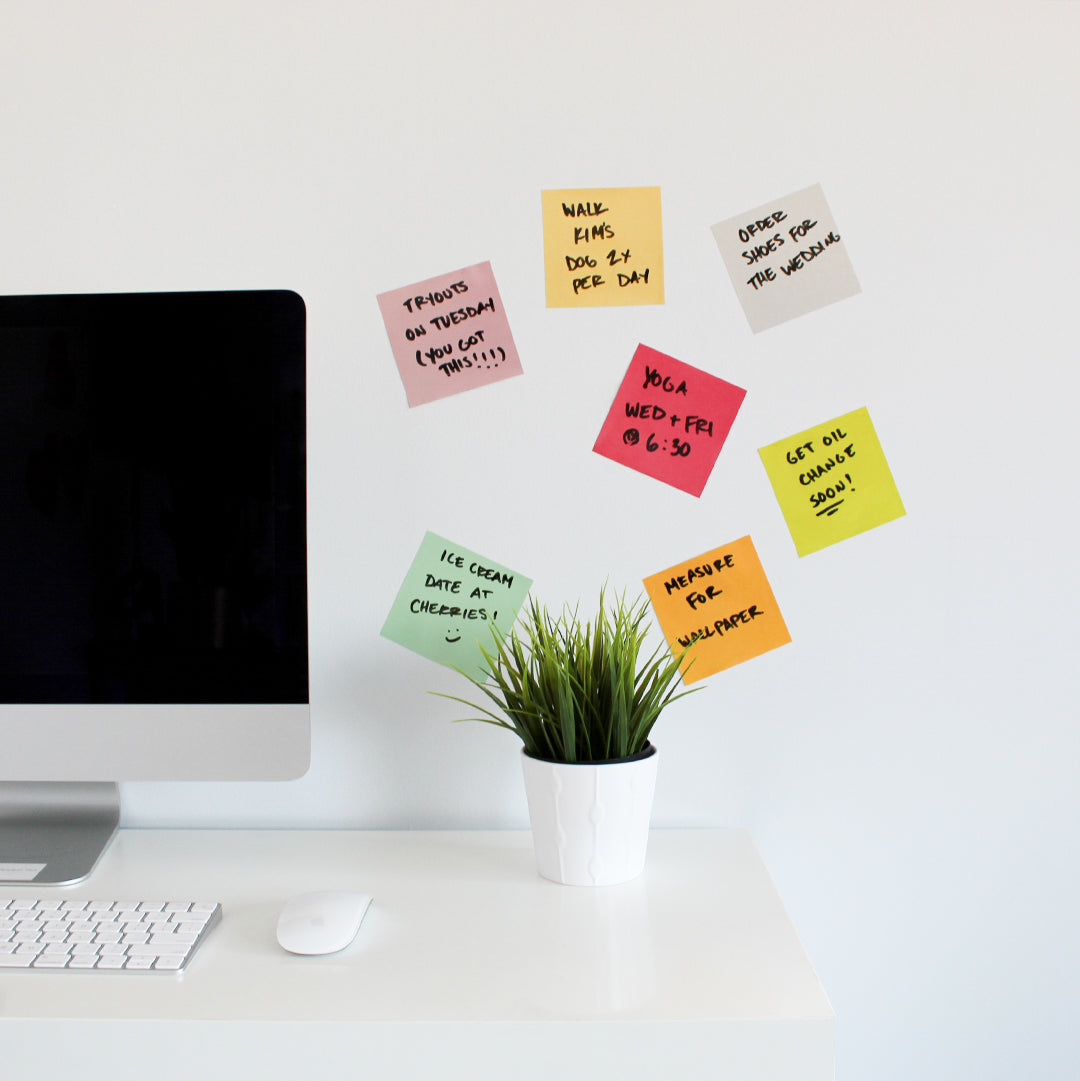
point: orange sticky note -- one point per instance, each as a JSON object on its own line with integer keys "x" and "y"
{"x": 719, "y": 604}
{"x": 603, "y": 246}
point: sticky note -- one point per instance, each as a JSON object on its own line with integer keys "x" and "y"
{"x": 449, "y": 600}
{"x": 832, "y": 481}
{"x": 669, "y": 420}
{"x": 721, "y": 606}
{"x": 449, "y": 334}
{"x": 603, "y": 247}
{"x": 786, "y": 258}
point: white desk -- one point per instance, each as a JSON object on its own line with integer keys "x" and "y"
{"x": 468, "y": 966}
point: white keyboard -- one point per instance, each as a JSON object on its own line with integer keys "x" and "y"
{"x": 115, "y": 936}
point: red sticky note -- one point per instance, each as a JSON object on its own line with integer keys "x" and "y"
{"x": 669, "y": 420}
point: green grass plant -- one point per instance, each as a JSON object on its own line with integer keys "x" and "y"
{"x": 577, "y": 691}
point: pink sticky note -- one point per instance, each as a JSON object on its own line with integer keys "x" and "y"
{"x": 669, "y": 420}
{"x": 449, "y": 334}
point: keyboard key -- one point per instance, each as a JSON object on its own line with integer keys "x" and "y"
{"x": 16, "y": 960}
{"x": 50, "y": 960}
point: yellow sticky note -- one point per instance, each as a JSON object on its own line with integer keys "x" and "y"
{"x": 603, "y": 247}
{"x": 719, "y": 604}
{"x": 832, "y": 481}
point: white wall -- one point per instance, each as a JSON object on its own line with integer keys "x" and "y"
{"x": 907, "y": 765}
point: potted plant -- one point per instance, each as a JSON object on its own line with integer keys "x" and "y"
{"x": 583, "y": 698}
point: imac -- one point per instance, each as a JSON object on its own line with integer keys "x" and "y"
{"x": 153, "y": 557}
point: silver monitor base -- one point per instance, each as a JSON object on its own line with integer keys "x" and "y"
{"x": 53, "y": 832}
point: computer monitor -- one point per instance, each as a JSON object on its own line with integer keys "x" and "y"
{"x": 153, "y": 557}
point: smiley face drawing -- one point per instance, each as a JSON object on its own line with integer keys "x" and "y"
{"x": 453, "y": 635}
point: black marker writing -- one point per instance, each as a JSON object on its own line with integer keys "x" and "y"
{"x": 439, "y": 296}
{"x": 762, "y": 225}
{"x": 759, "y": 251}
{"x": 490, "y": 574}
{"x": 679, "y": 448}
{"x": 598, "y": 231}
{"x": 827, "y": 466}
{"x": 807, "y": 255}
{"x": 697, "y": 598}
{"x": 469, "y": 355}
{"x": 448, "y": 585}
{"x": 577, "y": 262}
{"x": 489, "y": 358}
{"x": 824, "y": 500}
{"x": 766, "y": 246}
{"x": 691, "y": 574}
{"x": 797, "y": 454}
{"x": 584, "y": 233}
{"x": 654, "y": 378}
{"x": 437, "y": 608}
{"x": 445, "y": 322}
{"x": 583, "y": 210}
{"x": 722, "y": 626}
{"x": 591, "y": 281}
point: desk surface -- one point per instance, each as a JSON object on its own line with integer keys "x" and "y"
{"x": 462, "y": 929}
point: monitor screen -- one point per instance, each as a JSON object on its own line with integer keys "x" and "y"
{"x": 153, "y": 577}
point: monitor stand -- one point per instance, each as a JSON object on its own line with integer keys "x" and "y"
{"x": 53, "y": 832}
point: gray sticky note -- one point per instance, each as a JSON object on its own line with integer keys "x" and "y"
{"x": 786, "y": 258}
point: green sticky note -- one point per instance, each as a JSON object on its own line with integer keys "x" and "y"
{"x": 832, "y": 481}
{"x": 449, "y": 601}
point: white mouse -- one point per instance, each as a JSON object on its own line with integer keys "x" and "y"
{"x": 321, "y": 922}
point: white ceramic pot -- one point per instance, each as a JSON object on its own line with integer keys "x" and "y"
{"x": 590, "y": 822}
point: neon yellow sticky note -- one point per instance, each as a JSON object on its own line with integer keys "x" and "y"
{"x": 832, "y": 481}
{"x": 603, "y": 247}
